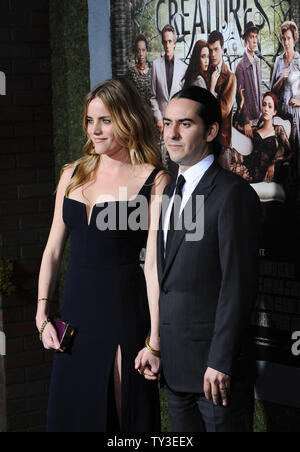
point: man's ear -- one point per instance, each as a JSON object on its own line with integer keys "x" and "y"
{"x": 212, "y": 132}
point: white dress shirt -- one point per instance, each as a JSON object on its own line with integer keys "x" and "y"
{"x": 192, "y": 178}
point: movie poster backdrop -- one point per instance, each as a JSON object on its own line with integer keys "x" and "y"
{"x": 276, "y": 317}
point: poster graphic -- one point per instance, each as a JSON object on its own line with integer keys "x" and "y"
{"x": 269, "y": 161}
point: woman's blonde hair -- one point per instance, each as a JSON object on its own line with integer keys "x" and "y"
{"x": 289, "y": 25}
{"x": 133, "y": 128}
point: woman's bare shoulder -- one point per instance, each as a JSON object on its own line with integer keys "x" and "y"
{"x": 66, "y": 175}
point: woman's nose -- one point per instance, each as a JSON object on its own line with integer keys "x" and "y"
{"x": 97, "y": 129}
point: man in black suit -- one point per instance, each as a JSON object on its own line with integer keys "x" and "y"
{"x": 208, "y": 283}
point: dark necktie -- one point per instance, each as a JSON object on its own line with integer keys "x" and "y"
{"x": 174, "y": 217}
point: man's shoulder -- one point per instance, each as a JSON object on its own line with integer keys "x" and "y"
{"x": 227, "y": 72}
{"x": 228, "y": 182}
{"x": 243, "y": 63}
{"x": 157, "y": 61}
{"x": 179, "y": 62}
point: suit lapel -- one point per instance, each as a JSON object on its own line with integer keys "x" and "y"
{"x": 204, "y": 188}
{"x": 222, "y": 78}
{"x": 169, "y": 190}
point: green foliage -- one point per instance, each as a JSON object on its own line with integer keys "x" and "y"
{"x": 70, "y": 83}
{"x": 165, "y": 421}
{"x": 273, "y": 418}
{"x": 7, "y": 286}
{"x": 70, "y": 77}
{"x": 143, "y": 19}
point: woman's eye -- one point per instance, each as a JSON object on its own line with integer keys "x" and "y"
{"x": 106, "y": 121}
{"x": 89, "y": 121}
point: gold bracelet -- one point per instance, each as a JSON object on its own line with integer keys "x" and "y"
{"x": 43, "y": 328}
{"x": 43, "y": 299}
{"x": 150, "y": 349}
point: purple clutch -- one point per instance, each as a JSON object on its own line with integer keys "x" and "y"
{"x": 65, "y": 333}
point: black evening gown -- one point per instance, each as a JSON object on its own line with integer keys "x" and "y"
{"x": 105, "y": 298}
{"x": 258, "y": 162}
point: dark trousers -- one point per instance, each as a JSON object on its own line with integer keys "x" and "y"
{"x": 194, "y": 413}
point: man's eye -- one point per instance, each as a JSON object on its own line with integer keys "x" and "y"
{"x": 185, "y": 124}
{"x": 166, "y": 124}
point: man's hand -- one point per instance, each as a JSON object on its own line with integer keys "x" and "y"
{"x": 217, "y": 386}
{"x": 248, "y": 130}
{"x": 160, "y": 126}
{"x": 148, "y": 365}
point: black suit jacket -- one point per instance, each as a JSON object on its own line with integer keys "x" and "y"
{"x": 208, "y": 286}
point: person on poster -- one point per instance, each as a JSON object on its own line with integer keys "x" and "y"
{"x": 223, "y": 87}
{"x": 271, "y": 147}
{"x": 107, "y": 297}
{"x": 249, "y": 80}
{"x": 197, "y": 71}
{"x": 140, "y": 73}
{"x": 208, "y": 287}
{"x": 286, "y": 76}
{"x": 167, "y": 73}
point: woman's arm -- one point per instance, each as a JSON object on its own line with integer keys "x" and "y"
{"x": 150, "y": 268}
{"x": 51, "y": 262}
{"x": 277, "y": 81}
{"x": 146, "y": 359}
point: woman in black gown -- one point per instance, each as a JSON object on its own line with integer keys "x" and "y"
{"x": 107, "y": 297}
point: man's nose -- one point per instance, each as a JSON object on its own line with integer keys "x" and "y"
{"x": 174, "y": 132}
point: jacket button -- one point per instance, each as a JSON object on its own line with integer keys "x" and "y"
{"x": 165, "y": 290}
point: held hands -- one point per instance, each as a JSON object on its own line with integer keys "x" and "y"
{"x": 147, "y": 362}
{"x": 217, "y": 386}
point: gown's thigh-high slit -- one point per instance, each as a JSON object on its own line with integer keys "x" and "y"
{"x": 114, "y": 393}
{"x": 118, "y": 383}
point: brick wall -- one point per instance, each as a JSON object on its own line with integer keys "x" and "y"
{"x": 26, "y": 204}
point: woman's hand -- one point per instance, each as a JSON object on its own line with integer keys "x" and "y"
{"x": 241, "y": 97}
{"x": 286, "y": 73}
{"x": 270, "y": 173}
{"x": 49, "y": 336}
{"x": 214, "y": 78}
{"x": 148, "y": 365}
{"x": 294, "y": 102}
